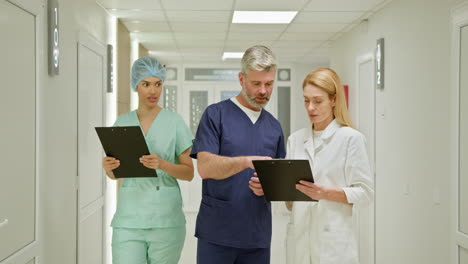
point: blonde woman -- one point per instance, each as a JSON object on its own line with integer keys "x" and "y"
{"x": 322, "y": 232}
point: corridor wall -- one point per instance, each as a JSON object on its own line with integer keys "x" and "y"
{"x": 58, "y": 124}
{"x": 412, "y": 135}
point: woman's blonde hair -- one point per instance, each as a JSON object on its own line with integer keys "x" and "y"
{"x": 327, "y": 80}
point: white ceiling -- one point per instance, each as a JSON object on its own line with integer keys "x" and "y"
{"x": 199, "y": 31}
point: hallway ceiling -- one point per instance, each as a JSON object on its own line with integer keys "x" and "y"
{"x": 199, "y": 31}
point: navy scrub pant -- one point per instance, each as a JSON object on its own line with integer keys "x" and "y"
{"x": 209, "y": 253}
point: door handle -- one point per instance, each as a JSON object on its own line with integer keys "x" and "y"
{"x": 4, "y": 223}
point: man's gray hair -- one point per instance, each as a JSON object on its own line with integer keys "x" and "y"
{"x": 258, "y": 58}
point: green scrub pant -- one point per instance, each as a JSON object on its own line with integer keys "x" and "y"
{"x": 147, "y": 246}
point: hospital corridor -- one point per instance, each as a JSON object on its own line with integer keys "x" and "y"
{"x": 69, "y": 66}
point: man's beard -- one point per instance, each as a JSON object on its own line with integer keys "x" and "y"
{"x": 251, "y": 101}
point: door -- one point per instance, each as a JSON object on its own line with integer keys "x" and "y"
{"x": 91, "y": 179}
{"x": 459, "y": 137}
{"x": 18, "y": 130}
{"x": 365, "y": 123}
{"x": 462, "y": 181}
{"x": 195, "y": 98}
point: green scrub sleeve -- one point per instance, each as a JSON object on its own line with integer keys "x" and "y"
{"x": 184, "y": 137}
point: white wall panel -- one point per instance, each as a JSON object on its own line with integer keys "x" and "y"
{"x": 91, "y": 239}
{"x": 463, "y": 173}
{"x": 18, "y": 131}
{"x": 90, "y": 115}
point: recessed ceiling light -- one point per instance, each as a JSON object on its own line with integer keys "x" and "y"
{"x": 263, "y": 17}
{"x": 232, "y": 55}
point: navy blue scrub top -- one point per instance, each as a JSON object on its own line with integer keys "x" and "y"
{"x": 230, "y": 213}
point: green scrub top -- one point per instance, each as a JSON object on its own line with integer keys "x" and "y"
{"x": 154, "y": 202}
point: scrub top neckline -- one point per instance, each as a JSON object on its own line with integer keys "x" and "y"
{"x": 152, "y": 123}
{"x": 245, "y": 116}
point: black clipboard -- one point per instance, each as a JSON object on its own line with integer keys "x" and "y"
{"x": 127, "y": 144}
{"x": 279, "y": 177}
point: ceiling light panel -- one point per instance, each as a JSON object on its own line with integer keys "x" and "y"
{"x": 263, "y": 17}
{"x": 232, "y": 55}
{"x": 276, "y": 28}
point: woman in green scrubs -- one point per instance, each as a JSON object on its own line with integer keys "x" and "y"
{"x": 149, "y": 225}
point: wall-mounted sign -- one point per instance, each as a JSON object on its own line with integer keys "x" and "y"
{"x": 284, "y": 74}
{"x": 203, "y": 74}
{"x": 110, "y": 68}
{"x": 53, "y": 43}
{"x": 379, "y": 64}
{"x": 171, "y": 74}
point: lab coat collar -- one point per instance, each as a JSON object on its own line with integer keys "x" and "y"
{"x": 330, "y": 130}
{"x": 326, "y": 135}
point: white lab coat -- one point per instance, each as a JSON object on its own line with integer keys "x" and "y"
{"x": 322, "y": 232}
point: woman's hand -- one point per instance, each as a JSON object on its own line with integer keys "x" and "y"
{"x": 109, "y": 164}
{"x": 313, "y": 190}
{"x": 151, "y": 161}
{"x": 255, "y": 186}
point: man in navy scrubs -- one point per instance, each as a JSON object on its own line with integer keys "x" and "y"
{"x": 234, "y": 221}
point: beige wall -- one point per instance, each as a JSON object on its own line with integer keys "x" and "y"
{"x": 123, "y": 68}
{"x": 412, "y": 141}
{"x": 142, "y": 51}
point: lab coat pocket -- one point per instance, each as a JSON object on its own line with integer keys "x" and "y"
{"x": 337, "y": 246}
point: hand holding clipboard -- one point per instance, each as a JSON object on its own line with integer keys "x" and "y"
{"x": 279, "y": 178}
{"x": 127, "y": 144}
